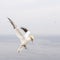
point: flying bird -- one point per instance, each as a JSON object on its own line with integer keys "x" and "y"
{"x": 24, "y": 38}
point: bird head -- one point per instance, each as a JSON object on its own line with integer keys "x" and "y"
{"x": 32, "y": 37}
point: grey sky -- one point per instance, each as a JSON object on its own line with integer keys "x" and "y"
{"x": 40, "y": 16}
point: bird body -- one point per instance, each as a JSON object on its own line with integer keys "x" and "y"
{"x": 24, "y": 38}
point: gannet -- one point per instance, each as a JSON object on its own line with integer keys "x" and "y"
{"x": 24, "y": 38}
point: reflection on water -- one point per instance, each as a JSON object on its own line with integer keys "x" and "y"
{"x": 43, "y": 48}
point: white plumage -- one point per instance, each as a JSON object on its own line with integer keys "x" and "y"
{"x": 24, "y": 38}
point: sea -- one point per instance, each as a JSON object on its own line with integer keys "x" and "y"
{"x": 42, "y": 48}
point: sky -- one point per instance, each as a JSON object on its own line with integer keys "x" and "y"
{"x": 40, "y": 16}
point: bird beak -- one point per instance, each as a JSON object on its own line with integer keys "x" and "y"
{"x": 32, "y": 38}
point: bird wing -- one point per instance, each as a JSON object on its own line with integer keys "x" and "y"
{"x": 24, "y": 29}
{"x": 12, "y": 23}
{"x": 17, "y": 30}
{"x": 19, "y": 34}
{"x": 27, "y": 34}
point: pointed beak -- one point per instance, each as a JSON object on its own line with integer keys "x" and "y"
{"x": 32, "y": 38}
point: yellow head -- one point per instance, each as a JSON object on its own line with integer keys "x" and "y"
{"x": 32, "y": 37}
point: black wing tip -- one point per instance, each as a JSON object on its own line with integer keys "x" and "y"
{"x": 12, "y": 23}
{"x": 8, "y": 18}
{"x": 24, "y": 29}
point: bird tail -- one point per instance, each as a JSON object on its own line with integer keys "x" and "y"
{"x": 21, "y": 47}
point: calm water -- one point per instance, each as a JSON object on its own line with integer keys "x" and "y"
{"x": 43, "y": 48}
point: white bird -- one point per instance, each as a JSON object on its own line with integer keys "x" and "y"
{"x": 24, "y": 38}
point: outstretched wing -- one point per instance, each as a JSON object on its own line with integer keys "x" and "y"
{"x": 24, "y": 29}
{"x": 17, "y": 30}
{"x": 19, "y": 34}
{"x": 28, "y": 36}
{"x": 14, "y": 26}
{"x": 27, "y": 32}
